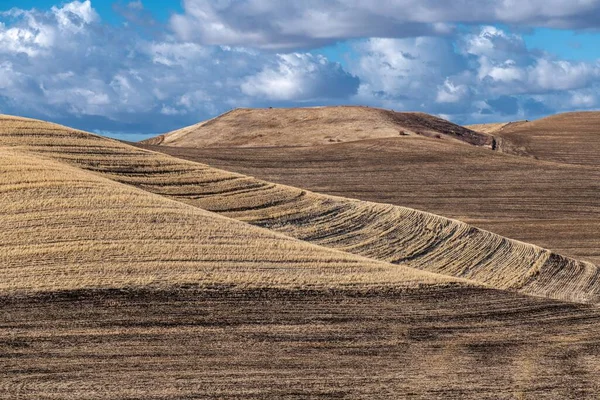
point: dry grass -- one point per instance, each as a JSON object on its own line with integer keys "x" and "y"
{"x": 65, "y": 229}
{"x": 383, "y": 232}
{"x": 492, "y": 127}
{"x": 312, "y": 126}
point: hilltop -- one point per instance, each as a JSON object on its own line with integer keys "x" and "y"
{"x": 284, "y": 127}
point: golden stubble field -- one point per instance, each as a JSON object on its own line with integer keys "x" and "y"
{"x": 382, "y": 232}
{"x": 66, "y": 229}
{"x": 263, "y": 127}
{"x": 121, "y": 280}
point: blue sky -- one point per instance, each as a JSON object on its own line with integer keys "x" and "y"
{"x": 566, "y": 44}
{"x": 132, "y": 69}
{"x": 107, "y": 9}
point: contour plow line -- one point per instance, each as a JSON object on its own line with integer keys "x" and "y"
{"x": 382, "y": 232}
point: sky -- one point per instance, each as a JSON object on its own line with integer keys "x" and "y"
{"x": 134, "y": 69}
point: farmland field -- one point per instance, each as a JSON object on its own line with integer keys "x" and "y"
{"x": 128, "y": 273}
{"x": 382, "y": 232}
{"x": 433, "y": 343}
{"x": 551, "y": 204}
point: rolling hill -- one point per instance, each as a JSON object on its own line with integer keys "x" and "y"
{"x": 119, "y": 279}
{"x": 569, "y": 138}
{"x": 552, "y": 205}
{"x": 67, "y": 229}
{"x": 244, "y": 127}
{"x": 381, "y": 232}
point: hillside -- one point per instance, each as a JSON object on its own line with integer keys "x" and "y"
{"x": 93, "y": 233}
{"x": 381, "y": 232}
{"x": 492, "y": 128}
{"x": 569, "y": 138}
{"x": 552, "y": 205}
{"x": 118, "y": 282}
{"x": 245, "y": 127}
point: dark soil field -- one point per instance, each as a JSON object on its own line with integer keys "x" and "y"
{"x": 430, "y": 343}
{"x": 569, "y": 138}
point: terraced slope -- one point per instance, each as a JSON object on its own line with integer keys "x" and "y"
{"x": 555, "y": 206}
{"x": 384, "y": 232}
{"x": 570, "y": 138}
{"x": 246, "y": 127}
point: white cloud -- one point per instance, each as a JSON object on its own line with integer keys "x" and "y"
{"x": 65, "y": 64}
{"x": 583, "y": 100}
{"x": 279, "y": 24}
{"x": 75, "y": 15}
{"x": 406, "y": 71}
{"x": 548, "y": 75}
{"x": 487, "y": 75}
{"x": 171, "y": 54}
{"x": 450, "y": 92}
{"x": 301, "y": 77}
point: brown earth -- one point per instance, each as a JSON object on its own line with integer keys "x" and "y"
{"x": 436, "y": 343}
{"x": 569, "y": 138}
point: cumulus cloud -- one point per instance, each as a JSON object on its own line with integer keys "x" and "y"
{"x": 67, "y": 65}
{"x": 506, "y": 65}
{"x": 303, "y": 24}
{"x": 451, "y": 92}
{"x": 409, "y": 73}
{"x": 484, "y": 75}
{"x": 301, "y": 77}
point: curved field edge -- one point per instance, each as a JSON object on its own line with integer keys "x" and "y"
{"x": 67, "y": 229}
{"x": 387, "y": 233}
{"x": 551, "y": 205}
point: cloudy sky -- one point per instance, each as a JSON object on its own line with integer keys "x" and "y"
{"x": 132, "y": 69}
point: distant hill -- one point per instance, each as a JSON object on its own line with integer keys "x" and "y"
{"x": 568, "y": 138}
{"x": 284, "y": 127}
{"x": 491, "y": 128}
